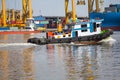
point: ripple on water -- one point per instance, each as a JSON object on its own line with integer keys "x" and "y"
{"x": 59, "y": 62}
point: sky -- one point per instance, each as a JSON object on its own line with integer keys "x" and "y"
{"x": 52, "y": 7}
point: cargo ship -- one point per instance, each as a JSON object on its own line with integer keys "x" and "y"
{"x": 111, "y": 17}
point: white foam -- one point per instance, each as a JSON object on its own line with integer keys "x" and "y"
{"x": 72, "y": 44}
{"x": 79, "y": 44}
{"x": 108, "y": 40}
{"x": 16, "y": 44}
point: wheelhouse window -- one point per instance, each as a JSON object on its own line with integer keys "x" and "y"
{"x": 84, "y": 27}
{"x": 98, "y": 25}
{"x": 95, "y": 27}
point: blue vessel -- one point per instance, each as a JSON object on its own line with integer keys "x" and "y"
{"x": 111, "y": 17}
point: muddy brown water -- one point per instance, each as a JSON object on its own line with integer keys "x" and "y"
{"x": 22, "y": 61}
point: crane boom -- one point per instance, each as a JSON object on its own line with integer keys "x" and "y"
{"x": 90, "y": 5}
{"x": 66, "y": 11}
{"x": 73, "y": 11}
{"x": 13, "y": 14}
{"x": 80, "y": 2}
{"x": 30, "y": 8}
{"x": 24, "y": 7}
{"x": 4, "y": 12}
{"x": 97, "y": 5}
{"x": 27, "y": 9}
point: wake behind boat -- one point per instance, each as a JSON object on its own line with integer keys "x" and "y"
{"x": 15, "y": 44}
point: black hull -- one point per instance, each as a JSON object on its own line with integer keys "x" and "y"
{"x": 92, "y": 38}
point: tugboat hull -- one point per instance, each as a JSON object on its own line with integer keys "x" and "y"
{"x": 93, "y": 39}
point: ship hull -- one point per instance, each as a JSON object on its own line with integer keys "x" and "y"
{"x": 114, "y": 28}
{"x": 111, "y": 20}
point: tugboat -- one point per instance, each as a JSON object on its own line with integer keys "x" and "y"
{"x": 84, "y": 32}
{"x": 77, "y": 31}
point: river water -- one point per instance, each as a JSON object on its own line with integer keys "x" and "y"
{"x": 23, "y": 61}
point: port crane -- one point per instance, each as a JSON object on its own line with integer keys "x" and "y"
{"x": 81, "y": 2}
{"x": 98, "y": 5}
{"x": 15, "y": 17}
{"x": 3, "y": 13}
{"x": 27, "y": 9}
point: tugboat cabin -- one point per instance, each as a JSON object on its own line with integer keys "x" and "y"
{"x": 79, "y": 29}
{"x": 86, "y": 28}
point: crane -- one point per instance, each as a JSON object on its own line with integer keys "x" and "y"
{"x": 27, "y": 9}
{"x": 4, "y": 13}
{"x": 73, "y": 11}
{"x": 26, "y": 13}
{"x": 90, "y": 5}
{"x": 81, "y": 2}
{"x": 98, "y": 4}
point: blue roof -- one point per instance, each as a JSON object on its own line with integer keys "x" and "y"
{"x": 40, "y": 25}
{"x": 39, "y": 18}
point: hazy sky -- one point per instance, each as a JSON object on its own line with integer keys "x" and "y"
{"x": 52, "y": 7}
